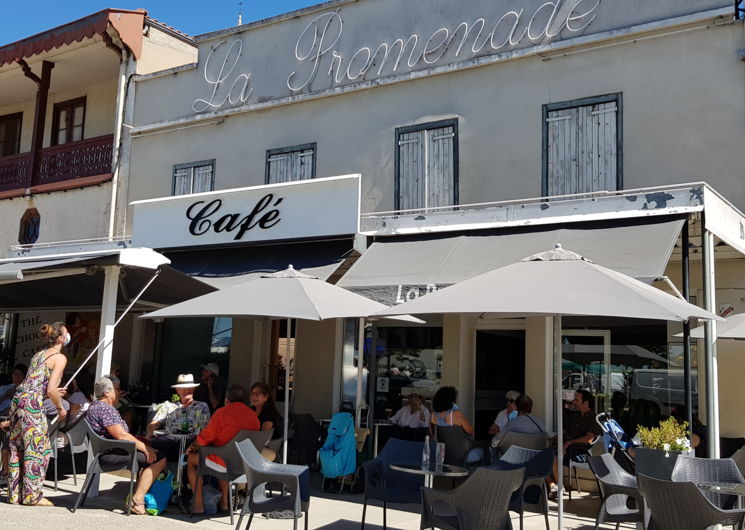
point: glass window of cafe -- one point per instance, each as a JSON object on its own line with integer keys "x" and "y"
{"x": 633, "y": 367}
{"x": 405, "y": 357}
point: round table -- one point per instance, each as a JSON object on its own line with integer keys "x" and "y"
{"x": 446, "y": 470}
{"x": 182, "y": 438}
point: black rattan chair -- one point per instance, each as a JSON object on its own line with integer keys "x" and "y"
{"x": 480, "y": 503}
{"x": 701, "y": 470}
{"x": 532, "y": 493}
{"x": 617, "y": 487}
{"x": 683, "y": 506}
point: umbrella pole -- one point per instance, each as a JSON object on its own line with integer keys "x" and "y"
{"x": 559, "y": 420}
{"x": 287, "y": 390}
{"x": 685, "y": 266}
{"x": 360, "y": 365}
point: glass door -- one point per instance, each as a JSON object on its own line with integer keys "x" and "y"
{"x": 586, "y": 364}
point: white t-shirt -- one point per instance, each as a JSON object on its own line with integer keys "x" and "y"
{"x": 502, "y": 419}
{"x": 405, "y": 418}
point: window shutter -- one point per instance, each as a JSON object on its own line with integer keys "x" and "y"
{"x": 411, "y": 159}
{"x": 182, "y": 181}
{"x": 278, "y": 168}
{"x": 202, "y": 179}
{"x": 440, "y": 171}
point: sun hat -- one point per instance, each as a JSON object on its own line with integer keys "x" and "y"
{"x": 212, "y": 367}
{"x": 185, "y": 381}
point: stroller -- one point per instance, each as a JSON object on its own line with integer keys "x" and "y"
{"x": 617, "y": 442}
{"x": 339, "y": 452}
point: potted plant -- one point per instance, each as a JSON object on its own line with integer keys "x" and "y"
{"x": 660, "y": 447}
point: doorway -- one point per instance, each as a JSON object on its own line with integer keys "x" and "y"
{"x": 500, "y": 367}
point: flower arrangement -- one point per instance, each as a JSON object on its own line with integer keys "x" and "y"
{"x": 669, "y": 435}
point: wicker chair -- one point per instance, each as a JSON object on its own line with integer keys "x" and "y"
{"x": 259, "y": 473}
{"x": 532, "y": 493}
{"x": 739, "y": 458}
{"x": 597, "y": 447}
{"x": 616, "y": 487}
{"x": 457, "y": 445}
{"x": 699, "y": 470}
{"x": 480, "y": 503}
{"x": 536, "y": 441}
{"x": 683, "y": 506}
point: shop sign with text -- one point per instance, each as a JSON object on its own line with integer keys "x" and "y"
{"x": 311, "y": 208}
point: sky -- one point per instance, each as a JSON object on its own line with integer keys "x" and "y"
{"x": 21, "y": 19}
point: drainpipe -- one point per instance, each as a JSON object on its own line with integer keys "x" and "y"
{"x": 121, "y": 96}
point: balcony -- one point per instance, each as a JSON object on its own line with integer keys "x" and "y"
{"x": 66, "y": 162}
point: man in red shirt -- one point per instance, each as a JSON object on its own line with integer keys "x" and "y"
{"x": 225, "y": 423}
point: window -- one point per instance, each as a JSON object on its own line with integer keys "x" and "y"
{"x": 67, "y": 121}
{"x": 29, "y": 227}
{"x": 10, "y": 134}
{"x": 582, "y": 146}
{"x": 195, "y": 177}
{"x": 291, "y": 163}
{"x": 427, "y": 165}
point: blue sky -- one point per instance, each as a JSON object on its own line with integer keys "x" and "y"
{"x": 24, "y": 18}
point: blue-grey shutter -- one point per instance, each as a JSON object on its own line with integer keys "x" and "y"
{"x": 411, "y": 159}
{"x": 440, "y": 170}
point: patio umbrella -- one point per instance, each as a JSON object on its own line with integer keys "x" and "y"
{"x": 553, "y": 283}
{"x": 733, "y": 328}
{"x": 285, "y": 294}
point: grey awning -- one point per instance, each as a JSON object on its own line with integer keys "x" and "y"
{"x": 398, "y": 270}
{"x": 75, "y": 281}
{"x": 225, "y": 266}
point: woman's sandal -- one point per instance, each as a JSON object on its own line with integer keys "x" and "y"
{"x": 43, "y": 502}
{"x": 133, "y": 505}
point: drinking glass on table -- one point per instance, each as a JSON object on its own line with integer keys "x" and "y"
{"x": 439, "y": 455}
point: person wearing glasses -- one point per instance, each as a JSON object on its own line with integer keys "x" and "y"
{"x": 504, "y": 415}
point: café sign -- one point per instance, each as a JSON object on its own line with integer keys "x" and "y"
{"x": 305, "y": 209}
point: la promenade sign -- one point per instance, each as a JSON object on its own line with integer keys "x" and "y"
{"x": 320, "y": 208}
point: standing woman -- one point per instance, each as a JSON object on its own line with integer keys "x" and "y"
{"x": 29, "y": 443}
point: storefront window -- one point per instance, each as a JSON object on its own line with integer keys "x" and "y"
{"x": 350, "y": 364}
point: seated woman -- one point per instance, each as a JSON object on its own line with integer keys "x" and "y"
{"x": 173, "y": 417}
{"x": 269, "y": 417}
{"x": 446, "y": 413}
{"x": 106, "y": 421}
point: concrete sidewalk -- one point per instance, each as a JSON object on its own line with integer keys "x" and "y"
{"x": 327, "y": 511}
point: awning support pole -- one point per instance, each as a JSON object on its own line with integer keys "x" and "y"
{"x": 108, "y": 317}
{"x": 359, "y": 398}
{"x": 559, "y": 421}
{"x": 710, "y": 347}
{"x": 687, "y": 391}
{"x": 288, "y": 363}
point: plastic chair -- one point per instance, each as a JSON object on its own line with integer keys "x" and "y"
{"x": 616, "y": 487}
{"x": 682, "y": 506}
{"x": 53, "y": 427}
{"x": 259, "y": 473}
{"x": 536, "y": 441}
{"x": 699, "y": 470}
{"x": 480, "y": 503}
{"x": 532, "y": 493}
{"x": 306, "y": 441}
{"x": 77, "y": 441}
{"x": 384, "y": 484}
{"x": 98, "y": 447}
{"x": 457, "y": 445}
{"x": 234, "y": 473}
{"x": 596, "y": 448}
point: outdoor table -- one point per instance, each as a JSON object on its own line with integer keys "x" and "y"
{"x": 725, "y": 488}
{"x": 446, "y": 470}
{"x": 182, "y": 438}
{"x": 376, "y": 429}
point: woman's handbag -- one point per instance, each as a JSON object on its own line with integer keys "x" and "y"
{"x": 159, "y": 494}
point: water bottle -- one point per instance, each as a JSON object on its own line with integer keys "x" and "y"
{"x": 425, "y": 453}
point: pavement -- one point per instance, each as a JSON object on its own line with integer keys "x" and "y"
{"x": 328, "y": 511}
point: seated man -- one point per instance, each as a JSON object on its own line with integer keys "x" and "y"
{"x": 578, "y": 433}
{"x": 227, "y": 421}
{"x": 173, "y": 417}
{"x": 524, "y": 423}
{"x": 106, "y": 421}
{"x": 414, "y": 415}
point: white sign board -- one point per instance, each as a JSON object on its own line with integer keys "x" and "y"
{"x": 304, "y": 209}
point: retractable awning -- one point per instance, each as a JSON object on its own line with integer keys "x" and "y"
{"x": 399, "y": 269}
{"x": 75, "y": 281}
{"x": 225, "y": 266}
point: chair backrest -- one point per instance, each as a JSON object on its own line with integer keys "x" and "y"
{"x": 229, "y": 454}
{"x": 608, "y": 471}
{"x": 677, "y": 505}
{"x": 528, "y": 441}
{"x": 699, "y": 470}
{"x": 259, "y": 438}
{"x": 739, "y": 458}
{"x": 396, "y": 450}
{"x": 457, "y": 444}
{"x": 76, "y": 434}
{"x": 536, "y": 463}
{"x": 484, "y": 497}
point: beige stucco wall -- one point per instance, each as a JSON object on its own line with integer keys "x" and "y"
{"x": 161, "y": 51}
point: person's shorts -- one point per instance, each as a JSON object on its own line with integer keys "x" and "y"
{"x": 120, "y": 458}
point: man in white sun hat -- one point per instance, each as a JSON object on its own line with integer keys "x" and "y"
{"x": 209, "y": 390}
{"x": 187, "y": 416}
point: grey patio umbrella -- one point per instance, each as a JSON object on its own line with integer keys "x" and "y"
{"x": 733, "y": 328}
{"x": 553, "y": 283}
{"x": 285, "y": 294}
